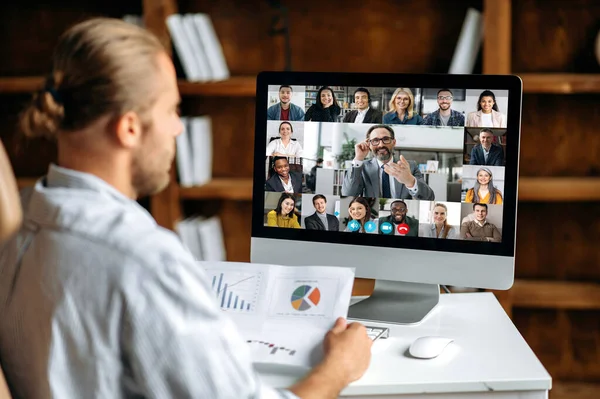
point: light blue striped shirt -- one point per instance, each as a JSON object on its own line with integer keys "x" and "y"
{"x": 98, "y": 301}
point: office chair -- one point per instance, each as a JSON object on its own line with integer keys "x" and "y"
{"x": 10, "y": 220}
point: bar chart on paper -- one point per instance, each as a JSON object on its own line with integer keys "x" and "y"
{"x": 236, "y": 291}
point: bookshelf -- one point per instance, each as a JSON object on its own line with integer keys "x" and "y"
{"x": 237, "y": 86}
{"x": 551, "y": 289}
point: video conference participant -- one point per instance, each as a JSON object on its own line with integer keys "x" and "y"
{"x": 284, "y": 146}
{"x": 363, "y": 112}
{"x": 320, "y": 220}
{"x": 487, "y": 152}
{"x": 440, "y": 227}
{"x": 284, "y": 180}
{"x": 487, "y": 114}
{"x": 381, "y": 176}
{"x": 325, "y": 108}
{"x": 401, "y": 109}
{"x": 283, "y": 215}
{"x": 444, "y": 115}
{"x": 480, "y": 229}
{"x": 397, "y": 219}
{"x": 361, "y": 220}
{"x": 484, "y": 190}
{"x": 285, "y": 110}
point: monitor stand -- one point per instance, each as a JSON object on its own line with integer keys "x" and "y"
{"x": 397, "y": 302}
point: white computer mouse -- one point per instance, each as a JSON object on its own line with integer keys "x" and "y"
{"x": 429, "y": 347}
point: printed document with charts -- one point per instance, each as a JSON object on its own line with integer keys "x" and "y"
{"x": 283, "y": 312}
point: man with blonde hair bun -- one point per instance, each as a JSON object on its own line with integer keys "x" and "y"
{"x": 96, "y": 299}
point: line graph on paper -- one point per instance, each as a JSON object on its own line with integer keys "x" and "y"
{"x": 236, "y": 291}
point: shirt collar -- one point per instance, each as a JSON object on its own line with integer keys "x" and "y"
{"x": 60, "y": 177}
{"x": 380, "y": 164}
{"x": 363, "y": 112}
{"x": 481, "y": 224}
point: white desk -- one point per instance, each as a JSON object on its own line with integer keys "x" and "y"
{"x": 488, "y": 359}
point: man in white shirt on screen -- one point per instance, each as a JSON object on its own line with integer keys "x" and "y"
{"x": 96, "y": 299}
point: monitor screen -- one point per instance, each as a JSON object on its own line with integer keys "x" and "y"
{"x": 417, "y": 173}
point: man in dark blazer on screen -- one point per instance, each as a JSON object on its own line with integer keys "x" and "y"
{"x": 320, "y": 220}
{"x": 363, "y": 112}
{"x": 487, "y": 153}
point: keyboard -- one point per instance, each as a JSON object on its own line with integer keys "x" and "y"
{"x": 377, "y": 332}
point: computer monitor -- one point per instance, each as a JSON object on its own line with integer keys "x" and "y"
{"x": 411, "y": 179}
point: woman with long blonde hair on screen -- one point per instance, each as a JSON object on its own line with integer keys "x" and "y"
{"x": 401, "y": 109}
{"x": 440, "y": 227}
{"x": 484, "y": 191}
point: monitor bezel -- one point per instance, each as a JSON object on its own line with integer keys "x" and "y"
{"x": 512, "y": 83}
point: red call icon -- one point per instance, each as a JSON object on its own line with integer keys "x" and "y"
{"x": 403, "y": 229}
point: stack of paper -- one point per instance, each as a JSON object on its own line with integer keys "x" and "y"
{"x": 198, "y": 47}
{"x": 194, "y": 151}
{"x": 284, "y": 312}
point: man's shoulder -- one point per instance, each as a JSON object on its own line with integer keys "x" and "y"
{"x": 116, "y": 227}
{"x": 312, "y": 217}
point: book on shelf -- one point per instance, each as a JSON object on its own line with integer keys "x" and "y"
{"x": 203, "y": 237}
{"x": 198, "y": 47}
{"x": 469, "y": 43}
{"x": 194, "y": 151}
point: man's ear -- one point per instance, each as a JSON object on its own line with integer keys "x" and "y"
{"x": 128, "y": 129}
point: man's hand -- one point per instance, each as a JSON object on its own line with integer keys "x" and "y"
{"x": 349, "y": 348}
{"x": 347, "y": 356}
{"x": 401, "y": 172}
{"x": 361, "y": 150}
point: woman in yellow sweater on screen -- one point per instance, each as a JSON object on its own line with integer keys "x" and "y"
{"x": 283, "y": 215}
{"x": 484, "y": 191}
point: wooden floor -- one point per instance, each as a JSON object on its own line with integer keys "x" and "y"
{"x": 575, "y": 390}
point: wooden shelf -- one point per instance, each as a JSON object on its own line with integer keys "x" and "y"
{"x": 238, "y": 86}
{"x": 220, "y": 188}
{"x": 245, "y": 86}
{"x": 555, "y": 294}
{"x": 559, "y": 189}
{"x": 560, "y": 83}
{"x": 542, "y": 189}
{"x": 574, "y": 390}
{"x": 21, "y": 85}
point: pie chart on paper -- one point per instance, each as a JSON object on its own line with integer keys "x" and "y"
{"x": 305, "y": 297}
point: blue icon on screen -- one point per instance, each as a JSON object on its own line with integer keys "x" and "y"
{"x": 370, "y": 226}
{"x": 386, "y": 228}
{"x": 353, "y": 225}
{"x": 336, "y": 213}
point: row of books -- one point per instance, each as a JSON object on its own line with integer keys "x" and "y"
{"x": 203, "y": 237}
{"x": 198, "y": 47}
{"x": 194, "y": 151}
